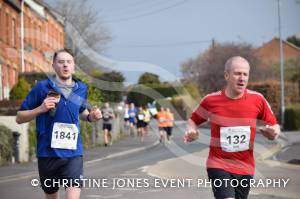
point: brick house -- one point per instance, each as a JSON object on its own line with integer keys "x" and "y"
{"x": 43, "y": 34}
{"x": 269, "y": 52}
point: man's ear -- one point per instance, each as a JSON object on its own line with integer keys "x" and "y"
{"x": 53, "y": 67}
{"x": 226, "y": 75}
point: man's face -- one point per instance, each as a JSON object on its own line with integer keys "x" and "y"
{"x": 237, "y": 77}
{"x": 64, "y": 65}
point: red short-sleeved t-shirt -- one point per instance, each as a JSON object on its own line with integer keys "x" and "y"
{"x": 233, "y": 128}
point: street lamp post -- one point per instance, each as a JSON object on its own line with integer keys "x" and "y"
{"x": 281, "y": 66}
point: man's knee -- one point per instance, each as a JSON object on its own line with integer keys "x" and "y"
{"x": 73, "y": 192}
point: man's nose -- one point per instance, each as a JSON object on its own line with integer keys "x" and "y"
{"x": 242, "y": 78}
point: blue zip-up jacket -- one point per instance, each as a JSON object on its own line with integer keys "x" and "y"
{"x": 67, "y": 111}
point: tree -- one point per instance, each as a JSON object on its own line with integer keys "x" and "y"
{"x": 294, "y": 40}
{"x": 207, "y": 69}
{"x": 149, "y": 79}
{"x": 192, "y": 89}
{"x": 20, "y": 90}
{"x": 6, "y": 145}
{"x": 112, "y": 83}
{"x": 95, "y": 95}
{"x": 82, "y": 17}
{"x": 292, "y": 70}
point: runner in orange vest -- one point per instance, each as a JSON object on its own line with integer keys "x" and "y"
{"x": 162, "y": 123}
{"x": 169, "y": 123}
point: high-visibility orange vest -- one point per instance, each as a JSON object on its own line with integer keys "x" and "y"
{"x": 161, "y": 119}
{"x": 170, "y": 119}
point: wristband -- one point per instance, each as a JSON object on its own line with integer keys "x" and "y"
{"x": 88, "y": 118}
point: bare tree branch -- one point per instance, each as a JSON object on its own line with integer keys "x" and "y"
{"x": 207, "y": 69}
{"x": 87, "y": 22}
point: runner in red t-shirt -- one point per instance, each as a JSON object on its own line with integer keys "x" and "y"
{"x": 233, "y": 113}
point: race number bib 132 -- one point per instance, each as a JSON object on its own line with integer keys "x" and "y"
{"x": 64, "y": 136}
{"x": 234, "y": 139}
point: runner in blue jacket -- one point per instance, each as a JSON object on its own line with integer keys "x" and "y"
{"x": 57, "y": 104}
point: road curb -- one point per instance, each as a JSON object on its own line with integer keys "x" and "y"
{"x": 281, "y": 143}
{"x": 270, "y": 153}
{"x": 27, "y": 175}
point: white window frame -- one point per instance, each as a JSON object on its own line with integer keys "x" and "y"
{"x": 1, "y": 83}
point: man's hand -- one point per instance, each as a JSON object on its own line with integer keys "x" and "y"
{"x": 95, "y": 114}
{"x": 48, "y": 103}
{"x": 28, "y": 115}
{"x": 191, "y": 133}
{"x": 270, "y": 132}
{"x": 190, "y": 136}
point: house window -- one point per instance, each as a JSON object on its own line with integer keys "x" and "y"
{"x": 13, "y": 33}
{"x": 1, "y": 24}
{"x": 8, "y": 74}
{"x": 14, "y": 76}
{"x": 7, "y": 28}
{"x": 6, "y": 87}
{"x": 61, "y": 39}
{"x": 1, "y": 88}
{"x": 46, "y": 34}
{"x": 35, "y": 36}
{"x": 40, "y": 43}
{"x": 31, "y": 33}
{"x": 26, "y": 26}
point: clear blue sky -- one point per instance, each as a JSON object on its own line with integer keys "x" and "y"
{"x": 167, "y": 32}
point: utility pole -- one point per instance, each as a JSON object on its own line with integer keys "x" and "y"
{"x": 281, "y": 66}
{"x": 213, "y": 43}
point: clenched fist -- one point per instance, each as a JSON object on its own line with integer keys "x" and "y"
{"x": 95, "y": 114}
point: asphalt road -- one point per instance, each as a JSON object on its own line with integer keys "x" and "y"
{"x": 128, "y": 176}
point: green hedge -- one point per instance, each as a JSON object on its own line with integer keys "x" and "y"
{"x": 178, "y": 104}
{"x": 33, "y": 78}
{"x": 168, "y": 90}
{"x": 32, "y": 139}
{"x": 6, "y": 145}
{"x": 86, "y": 134}
{"x": 271, "y": 91}
{"x": 141, "y": 95}
{"x": 136, "y": 96}
{"x": 292, "y": 117}
{"x": 20, "y": 90}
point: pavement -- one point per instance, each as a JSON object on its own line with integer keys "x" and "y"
{"x": 290, "y": 148}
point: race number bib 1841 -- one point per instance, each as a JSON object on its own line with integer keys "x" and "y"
{"x": 64, "y": 136}
{"x": 234, "y": 139}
